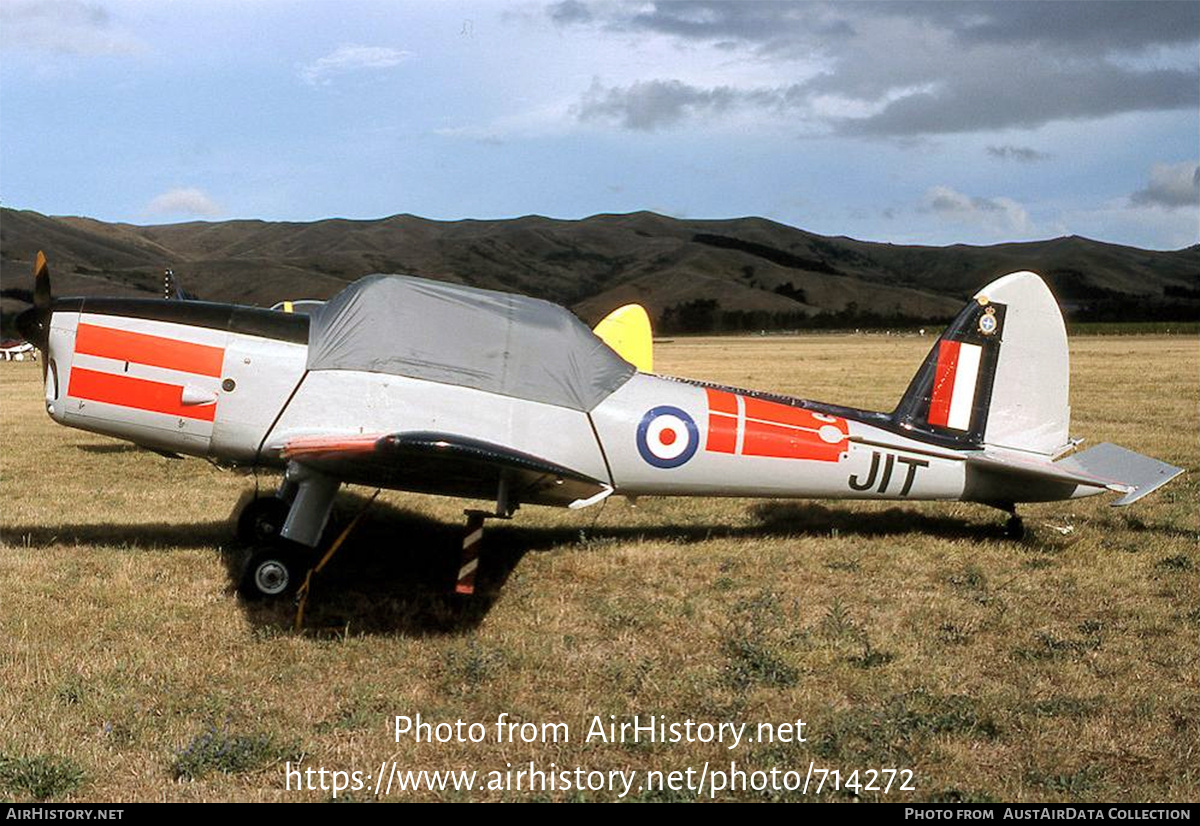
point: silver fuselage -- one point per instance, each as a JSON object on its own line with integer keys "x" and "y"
{"x": 232, "y": 384}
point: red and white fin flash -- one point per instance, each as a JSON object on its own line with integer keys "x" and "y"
{"x": 954, "y": 384}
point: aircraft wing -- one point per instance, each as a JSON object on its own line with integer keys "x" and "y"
{"x": 447, "y": 464}
{"x": 1103, "y": 466}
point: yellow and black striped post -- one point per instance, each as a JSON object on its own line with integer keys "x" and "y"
{"x": 470, "y": 553}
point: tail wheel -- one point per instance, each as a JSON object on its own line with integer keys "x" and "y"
{"x": 261, "y": 521}
{"x": 1014, "y": 528}
{"x": 272, "y": 573}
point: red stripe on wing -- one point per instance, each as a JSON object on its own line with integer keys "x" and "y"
{"x": 310, "y": 445}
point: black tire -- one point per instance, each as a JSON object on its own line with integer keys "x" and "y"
{"x": 261, "y": 521}
{"x": 271, "y": 573}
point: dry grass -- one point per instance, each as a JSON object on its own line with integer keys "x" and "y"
{"x": 1060, "y": 668}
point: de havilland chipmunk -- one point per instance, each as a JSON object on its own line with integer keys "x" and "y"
{"x": 404, "y": 383}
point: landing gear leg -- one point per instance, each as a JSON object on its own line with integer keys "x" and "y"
{"x": 261, "y": 519}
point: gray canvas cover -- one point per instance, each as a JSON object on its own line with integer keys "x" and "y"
{"x": 493, "y": 341}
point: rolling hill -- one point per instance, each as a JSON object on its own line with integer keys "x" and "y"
{"x": 693, "y": 275}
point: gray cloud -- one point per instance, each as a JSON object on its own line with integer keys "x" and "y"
{"x": 1073, "y": 25}
{"x": 1001, "y": 216}
{"x": 1024, "y": 154}
{"x": 1132, "y": 25}
{"x": 63, "y": 27}
{"x": 569, "y": 12}
{"x": 653, "y": 104}
{"x": 920, "y": 69}
{"x": 976, "y": 103}
{"x": 767, "y": 24}
{"x": 1171, "y": 186}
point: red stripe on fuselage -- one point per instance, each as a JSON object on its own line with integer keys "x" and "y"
{"x": 722, "y": 434}
{"x": 155, "y": 351}
{"x": 943, "y": 383}
{"x": 719, "y": 401}
{"x": 776, "y": 413}
{"x": 722, "y": 421}
{"x": 126, "y": 391}
{"x": 771, "y": 429}
{"x": 783, "y": 442}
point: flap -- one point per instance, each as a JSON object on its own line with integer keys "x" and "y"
{"x": 446, "y": 464}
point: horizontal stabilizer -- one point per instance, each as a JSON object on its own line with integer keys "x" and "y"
{"x": 1105, "y": 466}
{"x": 1036, "y": 469}
{"x": 1134, "y": 473}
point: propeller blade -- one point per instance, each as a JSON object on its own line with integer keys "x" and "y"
{"x": 41, "y": 283}
{"x": 34, "y": 323}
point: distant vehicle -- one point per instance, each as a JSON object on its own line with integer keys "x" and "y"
{"x": 15, "y": 350}
{"x": 399, "y": 382}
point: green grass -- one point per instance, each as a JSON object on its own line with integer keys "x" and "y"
{"x": 1060, "y": 668}
{"x": 40, "y": 777}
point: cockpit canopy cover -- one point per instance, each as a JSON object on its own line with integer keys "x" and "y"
{"x": 498, "y": 342}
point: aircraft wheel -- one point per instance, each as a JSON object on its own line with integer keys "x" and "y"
{"x": 261, "y": 521}
{"x": 272, "y": 573}
{"x": 1014, "y": 528}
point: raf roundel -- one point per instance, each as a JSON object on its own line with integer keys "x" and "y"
{"x": 667, "y": 437}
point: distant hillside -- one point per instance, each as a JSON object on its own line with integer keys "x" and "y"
{"x": 745, "y": 273}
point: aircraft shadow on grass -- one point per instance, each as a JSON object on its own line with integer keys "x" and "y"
{"x": 395, "y": 574}
{"x": 106, "y": 448}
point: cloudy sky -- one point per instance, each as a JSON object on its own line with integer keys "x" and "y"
{"x": 908, "y": 122}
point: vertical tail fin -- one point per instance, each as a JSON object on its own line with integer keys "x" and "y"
{"x": 999, "y": 374}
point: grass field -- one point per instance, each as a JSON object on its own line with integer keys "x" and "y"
{"x": 1060, "y": 668}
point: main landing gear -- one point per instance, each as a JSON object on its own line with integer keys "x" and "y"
{"x": 284, "y": 531}
{"x": 276, "y": 567}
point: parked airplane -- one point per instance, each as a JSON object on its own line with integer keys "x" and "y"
{"x": 400, "y": 382}
{"x": 12, "y": 350}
